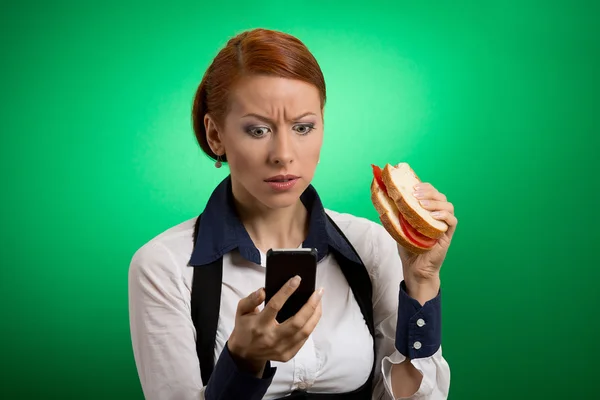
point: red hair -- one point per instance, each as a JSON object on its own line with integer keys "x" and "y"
{"x": 260, "y": 52}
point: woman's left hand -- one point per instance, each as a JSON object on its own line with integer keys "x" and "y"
{"x": 421, "y": 271}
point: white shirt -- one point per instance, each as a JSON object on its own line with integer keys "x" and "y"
{"x": 336, "y": 358}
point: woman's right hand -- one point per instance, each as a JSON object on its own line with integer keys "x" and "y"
{"x": 257, "y": 337}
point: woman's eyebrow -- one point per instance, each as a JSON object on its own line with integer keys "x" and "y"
{"x": 266, "y": 119}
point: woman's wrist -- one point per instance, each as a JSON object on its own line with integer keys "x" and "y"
{"x": 423, "y": 290}
{"x": 239, "y": 356}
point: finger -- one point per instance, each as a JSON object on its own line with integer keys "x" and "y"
{"x": 290, "y": 347}
{"x": 426, "y": 190}
{"x": 310, "y": 325}
{"x": 446, "y": 216}
{"x": 278, "y": 300}
{"x": 449, "y": 218}
{"x": 250, "y": 303}
{"x": 437, "y": 205}
{"x": 294, "y": 324}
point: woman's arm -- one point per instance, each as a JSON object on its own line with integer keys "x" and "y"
{"x": 408, "y": 334}
{"x": 423, "y": 303}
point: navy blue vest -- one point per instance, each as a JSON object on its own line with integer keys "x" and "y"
{"x": 206, "y": 303}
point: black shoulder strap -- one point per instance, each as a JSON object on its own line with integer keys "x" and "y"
{"x": 205, "y": 307}
{"x": 359, "y": 281}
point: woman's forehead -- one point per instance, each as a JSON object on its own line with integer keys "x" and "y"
{"x": 269, "y": 95}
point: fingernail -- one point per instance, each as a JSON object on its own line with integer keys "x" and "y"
{"x": 418, "y": 194}
{"x": 436, "y": 214}
{"x": 320, "y": 293}
{"x": 425, "y": 202}
{"x": 295, "y": 281}
{"x": 417, "y": 186}
{"x": 256, "y": 294}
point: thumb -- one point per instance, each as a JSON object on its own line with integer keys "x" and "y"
{"x": 250, "y": 303}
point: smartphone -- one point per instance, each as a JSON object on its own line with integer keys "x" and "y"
{"x": 283, "y": 265}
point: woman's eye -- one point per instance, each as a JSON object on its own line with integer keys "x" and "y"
{"x": 258, "y": 131}
{"x": 304, "y": 128}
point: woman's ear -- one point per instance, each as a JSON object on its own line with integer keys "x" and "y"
{"x": 213, "y": 135}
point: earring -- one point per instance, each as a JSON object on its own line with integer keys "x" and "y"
{"x": 218, "y": 163}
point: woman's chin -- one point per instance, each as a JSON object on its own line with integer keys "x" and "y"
{"x": 280, "y": 201}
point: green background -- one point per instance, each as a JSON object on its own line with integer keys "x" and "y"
{"x": 495, "y": 103}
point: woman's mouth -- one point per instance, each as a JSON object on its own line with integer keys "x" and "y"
{"x": 282, "y": 182}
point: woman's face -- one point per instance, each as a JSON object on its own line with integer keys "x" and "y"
{"x": 272, "y": 137}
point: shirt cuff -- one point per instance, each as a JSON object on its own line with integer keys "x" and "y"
{"x": 229, "y": 382}
{"x": 419, "y": 328}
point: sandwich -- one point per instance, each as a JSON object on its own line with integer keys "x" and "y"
{"x": 400, "y": 212}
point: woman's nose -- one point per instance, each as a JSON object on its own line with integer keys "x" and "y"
{"x": 282, "y": 152}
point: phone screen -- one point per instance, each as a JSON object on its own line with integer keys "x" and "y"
{"x": 284, "y": 264}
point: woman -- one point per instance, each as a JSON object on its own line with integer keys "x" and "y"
{"x": 199, "y": 325}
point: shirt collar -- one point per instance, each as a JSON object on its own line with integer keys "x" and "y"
{"x": 221, "y": 230}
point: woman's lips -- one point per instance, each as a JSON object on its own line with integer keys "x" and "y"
{"x": 282, "y": 183}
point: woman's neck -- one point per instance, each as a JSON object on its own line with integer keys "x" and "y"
{"x": 274, "y": 228}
